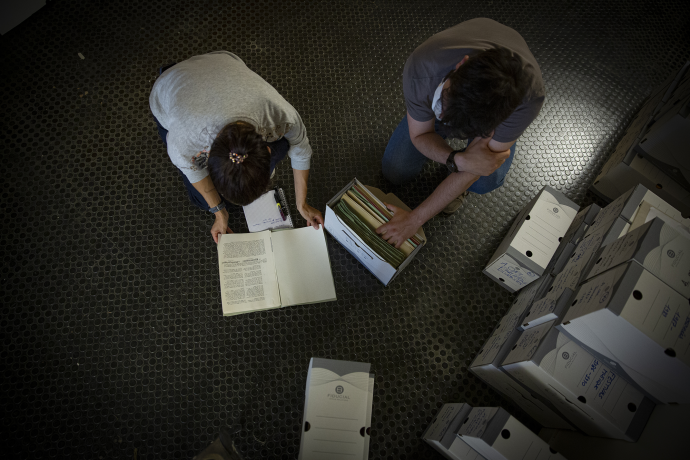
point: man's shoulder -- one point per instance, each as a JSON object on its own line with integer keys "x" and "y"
{"x": 446, "y": 48}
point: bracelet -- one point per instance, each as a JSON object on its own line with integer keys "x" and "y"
{"x": 215, "y": 209}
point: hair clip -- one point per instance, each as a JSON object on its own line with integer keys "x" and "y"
{"x": 235, "y": 158}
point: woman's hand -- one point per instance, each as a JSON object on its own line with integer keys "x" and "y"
{"x": 313, "y": 216}
{"x": 220, "y": 226}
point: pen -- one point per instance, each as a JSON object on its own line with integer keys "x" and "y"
{"x": 282, "y": 214}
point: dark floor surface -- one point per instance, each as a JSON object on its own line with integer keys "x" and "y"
{"x": 112, "y": 334}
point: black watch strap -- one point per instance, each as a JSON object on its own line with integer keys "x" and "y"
{"x": 450, "y": 162}
{"x": 215, "y": 209}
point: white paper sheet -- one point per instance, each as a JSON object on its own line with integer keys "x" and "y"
{"x": 263, "y": 214}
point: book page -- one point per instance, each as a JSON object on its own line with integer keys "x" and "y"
{"x": 303, "y": 266}
{"x": 247, "y": 273}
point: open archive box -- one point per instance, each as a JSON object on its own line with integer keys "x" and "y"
{"x": 358, "y": 207}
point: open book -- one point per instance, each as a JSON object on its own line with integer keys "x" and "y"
{"x": 264, "y": 270}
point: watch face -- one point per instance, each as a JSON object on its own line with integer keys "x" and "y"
{"x": 450, "y": 163}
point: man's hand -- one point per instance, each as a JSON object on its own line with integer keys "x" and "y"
{"x": 313, "y": 216}
{"x": 402, "y": 226}
{"x": 220, "y": 226}
{"x": 479, "y": 159}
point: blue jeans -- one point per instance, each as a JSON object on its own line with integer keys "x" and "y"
{"x": 402, "y": 162}
{"x": 279, "y": 150}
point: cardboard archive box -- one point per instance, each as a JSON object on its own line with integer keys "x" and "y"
{"x": 665, "y": 144}
{"x": 641, "y": 171}
{"x": 631, "y": 164}
{"x": 381, "y": 269}
{"x": 486, "y": 365}
{"x": 650, "y": 205}
{"x": 638, "y": 325}
{"x": 569, "y": 242}
{"x": 532, "y": 240}
{"x": 337, "y": 409}
{"x": 554, "y": 301}
{"x": 442, "y": 433}
{"x": 551, "y": 307}
{"x": 591, "y": 395}
{"x": 659, "y": 247}
{"x": 497, "y": 435}
{"x": 627, "y": 205}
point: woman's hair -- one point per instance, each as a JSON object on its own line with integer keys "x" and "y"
{"x": 483, "y": 92}
{"x": 238, "y": 163}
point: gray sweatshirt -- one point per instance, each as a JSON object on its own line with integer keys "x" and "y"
{"x": 196, "y": 98}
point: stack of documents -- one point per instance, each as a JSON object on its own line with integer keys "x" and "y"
{"x": 337, "y": 410}
{"x": 352, "y": 217}
{"x": 364, "y": 215}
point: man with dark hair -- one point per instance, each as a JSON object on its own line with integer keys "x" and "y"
{"x": 476, "y": 81}
{"x": 226, "y": 128}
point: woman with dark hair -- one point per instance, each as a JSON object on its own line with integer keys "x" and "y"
{"x": 225, "y": 129}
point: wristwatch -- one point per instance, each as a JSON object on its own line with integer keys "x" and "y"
{"x": 450, "y": 162}
{"x": 215, "y": 209}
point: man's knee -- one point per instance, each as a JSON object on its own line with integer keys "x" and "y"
{"x": 394, "y": 173}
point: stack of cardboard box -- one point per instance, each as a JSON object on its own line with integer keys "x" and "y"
{"x": 653, "y": 151}
{"x": 604, "y": 335}
{"x": 461, "y": 432}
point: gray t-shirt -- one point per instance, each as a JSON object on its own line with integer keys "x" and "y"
{"x": 431, "y": 62}
{"x": 196, "y": 98}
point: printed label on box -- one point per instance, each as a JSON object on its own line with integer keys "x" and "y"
{"x": 612, "y": 211}
{"x": 478, "y": 419}
{"x": 528, "y": 343}
{"x": 661, "y": 314}
{"x": 510, "y": 273}
{"x": 591, "y": 381}
{"x": 538, "y": 237}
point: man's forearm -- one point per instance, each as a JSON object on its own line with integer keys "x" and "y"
{"x": 432, "y": 146}
{"x": 451, "y": 187}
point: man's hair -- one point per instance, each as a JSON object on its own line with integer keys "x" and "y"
{"x": 483, "y": 92}
{"x": 239, "y": 182}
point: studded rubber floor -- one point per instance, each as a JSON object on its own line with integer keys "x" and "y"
{"x": 113, "y": 343}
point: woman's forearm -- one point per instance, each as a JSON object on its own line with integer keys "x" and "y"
{"x": 208, "y": 191}
{"x": 301, "y": 179}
